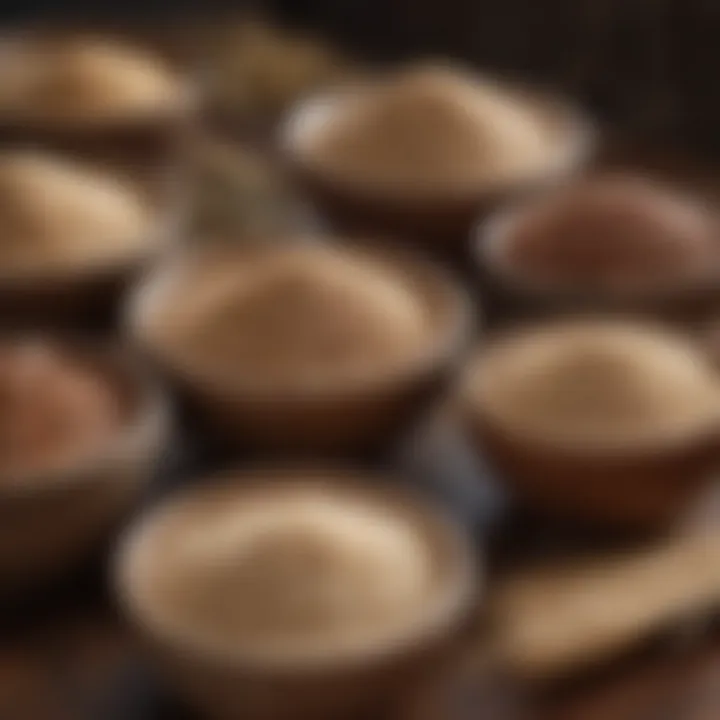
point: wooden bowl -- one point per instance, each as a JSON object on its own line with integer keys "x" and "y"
{"x": 227, "y": 682}
{"x": 517, "y": 297}
{"x": 354, "y": 420}
{"x": 50, "y": 522}
{"x": 87, "y": 296}
{"x": 641, "y": 484}
{"x": 440, "y": 221}
{"x": 150, "y": 141}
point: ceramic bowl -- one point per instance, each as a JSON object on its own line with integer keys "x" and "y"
{"x": 53, "y": 520}
{"x": 441, "y": 221}
{"x": 314, "y": 421}
{"x": 644, "y": 483}
{"x": 87, "y": 296}
{"x": 513, "y": 297}
{"x": 149, "y": 141}
{"x": 225, "y": 682}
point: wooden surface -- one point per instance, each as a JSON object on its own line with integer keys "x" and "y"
{"x": 71, "y": 665}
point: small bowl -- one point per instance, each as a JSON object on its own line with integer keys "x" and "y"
{"x": 513, "y": 297}
{"x": 147, "y": 141}
{"x": 227, "y": 682}
{"x": 51, "y": 521}
{"x": 635, "y": 485}
{"x": 358, "y": 419}
{"x": 87, "y": 297}
{"x": 440, "y": 221}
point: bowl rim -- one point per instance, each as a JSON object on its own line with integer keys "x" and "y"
{"x": 447, "y": 344}
{"x": 452, "y": 603}
{"x": 574, "y": 148}
{"x": 142, "y": 434}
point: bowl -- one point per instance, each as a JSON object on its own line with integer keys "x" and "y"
{"x": 85, "y": 295}
{"x": 515, "y": 296}
{"x": 363, "y": 416}
{"x": 53, "y": 520}
{"x": 146, "y": 140}
{"x": 226, "y": 680}
{"x": 439, "y": 220}
{"x": 641, "y": 480}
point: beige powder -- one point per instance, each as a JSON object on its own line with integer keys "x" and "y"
{"x": 596, "y": 383}
{"x": 57, "y": 215}
{"x": 310, "y": 318}
{"x": 53, "y": 411}
{"x": 302, "y": 573}
{"x": 84, "y": 80}
{"x": 612, "y": 232}
{"x": 434, "y": 127}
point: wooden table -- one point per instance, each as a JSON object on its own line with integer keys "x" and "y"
{"x": 72, "y": 665}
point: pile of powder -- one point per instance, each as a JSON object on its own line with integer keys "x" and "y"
{"x": 83, "y": 79}
{"x": 300, "y": 573}
{"x": 433, "y": 127}
{"x": 611, "y": 233}
{"x": 53, "y": 411}
{"x": 596, "y": 382}
{"x": 311, "y": 318}
{"x": 58, "y": 215}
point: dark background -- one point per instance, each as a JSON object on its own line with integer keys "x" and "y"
{"x": 649, "y": 65}
{"x": 646, "y": 66}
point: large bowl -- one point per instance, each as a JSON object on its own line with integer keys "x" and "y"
{"x": 638, "y": 484}
{"x": 360, "y": 418}
{"x": 440, "y": 220}
{"x": 228, "y": 683}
